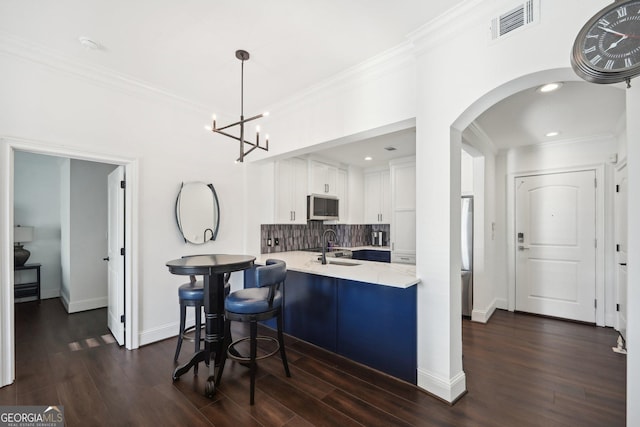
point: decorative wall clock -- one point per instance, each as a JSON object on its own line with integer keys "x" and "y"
{"x": 607, "y": 48}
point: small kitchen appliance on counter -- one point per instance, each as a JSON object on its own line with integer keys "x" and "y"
{"x": 378, "y": 238}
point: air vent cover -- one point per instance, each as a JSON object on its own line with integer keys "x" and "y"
{"x": 522, "y": 15}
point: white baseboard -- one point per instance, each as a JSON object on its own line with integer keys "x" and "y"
{"x": 483, "y": 316}
{"x": 447, "y": 390}
{"x": 160, "y": 333}
{"x": 87, "y": 304}
{"x": 502, "y": 304}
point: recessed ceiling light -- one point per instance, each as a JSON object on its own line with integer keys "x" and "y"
{"x": 551, "y": 134}
{"x": 88, "y": 43}
{"x": 550, "y": 87}
{"x": 368, "y": 158}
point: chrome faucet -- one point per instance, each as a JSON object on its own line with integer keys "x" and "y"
{"x": 324, "y": 243}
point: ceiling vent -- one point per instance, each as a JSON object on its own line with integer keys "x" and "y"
{"x": 524, "y": 14}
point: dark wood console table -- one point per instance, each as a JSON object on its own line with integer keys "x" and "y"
{"x": 28, "y": 289}
{"x": 213, "y": 269}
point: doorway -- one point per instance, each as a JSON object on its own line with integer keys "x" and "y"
{"x": 7, "y": 322}
{"x": 556, "y": 245}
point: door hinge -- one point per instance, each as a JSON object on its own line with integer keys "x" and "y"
{"x": 617, "y": 248}
{"x": 595, "y": 182}
{"x": 595, "y": 243}
{"x": 617, "y": 307}
{"x": 122, "y": 318}
{"x": 595, "y": 303}
{"x": 617, "y": 188}
{"x": 123, "y": 184}
{"x": 122, "y": 251}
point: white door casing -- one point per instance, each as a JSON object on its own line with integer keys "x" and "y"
{"x": 621, "y": 248}
{"x": 116, "y": 258}
{"x": 555, "y": 244}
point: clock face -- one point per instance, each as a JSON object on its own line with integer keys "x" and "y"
{"x": 607, "y": 49}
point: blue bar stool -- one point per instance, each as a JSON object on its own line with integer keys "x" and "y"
{"x": 253, "y": 305}
{"x": 192, "y": 295}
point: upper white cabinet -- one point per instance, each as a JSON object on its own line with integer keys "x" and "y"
{"x": 342, "y": 191}
{"x": 377, "y": 198}
{"x": 323, "y": 178}
{"x": 291, "y": 191}
{"x": 403, "y": 205}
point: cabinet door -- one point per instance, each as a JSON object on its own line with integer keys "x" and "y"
{"x": 372, "y": 199}
{"x": 291, "y": 191}
{"x": 310, "y": 308}
{"x": 323, "y": 178}
{"x": 403, "y": 202}
{"x": 404, "y": 186}
{"x": 385, "y": 197}
{"x": 377, "y": 327}
{"x": 299, "y": 191}
{"x": 284, "y": 191}
{"x": 342, "y": 190}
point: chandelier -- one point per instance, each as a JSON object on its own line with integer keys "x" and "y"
{"x": 243, "y": 55}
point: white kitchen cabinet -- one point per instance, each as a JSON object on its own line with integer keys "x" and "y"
{"x": 377, "y": 198}
{"x": 342, "y": 191}
{"x": 323, "y": 178}
{"x": 403, "y": 207}
{"x": 291, "y": 191}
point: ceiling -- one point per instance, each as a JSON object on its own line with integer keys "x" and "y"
{"x": 186, "y": 48}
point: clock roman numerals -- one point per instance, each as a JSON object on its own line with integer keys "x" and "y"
{"x": 596, "y": 59}
{"x": 622, "y": 12}
{"x": 609, "y": 64}
{"x": 628, "y": 62}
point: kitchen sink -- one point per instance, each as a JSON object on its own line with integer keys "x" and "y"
{"x": 344, "y": 263}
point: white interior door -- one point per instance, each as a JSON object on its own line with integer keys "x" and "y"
{"x": 621, "y": 248}
{"x": 556, "y": 245}
{"x": 116, "y": 257}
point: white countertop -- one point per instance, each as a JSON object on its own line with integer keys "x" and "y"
{"x": 379, "y": 273}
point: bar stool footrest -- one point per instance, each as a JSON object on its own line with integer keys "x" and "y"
{"x": 234, "y": 354}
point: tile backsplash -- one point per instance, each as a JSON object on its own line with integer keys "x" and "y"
{"x": 293, "y": 237}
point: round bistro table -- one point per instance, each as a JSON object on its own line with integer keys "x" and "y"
{"x": 213, "y": 268}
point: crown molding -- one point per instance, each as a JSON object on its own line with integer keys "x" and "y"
{"x": 17, "y": 47}
{"x": 446, "y": 26}
{"x": 389, "y": 60}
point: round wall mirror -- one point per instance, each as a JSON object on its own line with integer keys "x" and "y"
{"x": 197, "y": 212}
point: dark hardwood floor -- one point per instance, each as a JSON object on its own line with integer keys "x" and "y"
{"x": 521, "y": 371}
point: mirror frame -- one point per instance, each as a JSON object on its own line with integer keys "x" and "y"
{"x": 214, "y": 232}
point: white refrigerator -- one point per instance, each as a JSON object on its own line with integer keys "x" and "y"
{"x": 466, "y": 246}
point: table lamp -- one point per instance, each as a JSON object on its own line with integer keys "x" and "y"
{"x": 21, "y": 234}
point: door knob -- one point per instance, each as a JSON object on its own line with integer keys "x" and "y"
{"x": 105, "y": 259}
{"x": 522, "y": 248}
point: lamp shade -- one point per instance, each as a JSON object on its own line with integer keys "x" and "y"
{"x": 22, "y": 234}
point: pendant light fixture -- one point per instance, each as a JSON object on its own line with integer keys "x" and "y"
{"x": 243, "y": 55}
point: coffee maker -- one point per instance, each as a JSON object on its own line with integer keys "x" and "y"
{"x": 378, "y": 238}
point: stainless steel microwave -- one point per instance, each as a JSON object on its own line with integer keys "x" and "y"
{"x": 321, "y": 207}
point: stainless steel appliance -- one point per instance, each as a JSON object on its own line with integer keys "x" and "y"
{"x": 378, "y": 238}
{"x": 466, "y": 246}
{"x": 321, "y": 207}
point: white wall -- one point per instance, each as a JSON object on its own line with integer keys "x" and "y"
{"x": 165, "y": 137}
{"x": 447, "y": 104}
{"x": 37, "y": 203}
{"x": 85, "y": 272}
{"x": 633, "y": 258}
